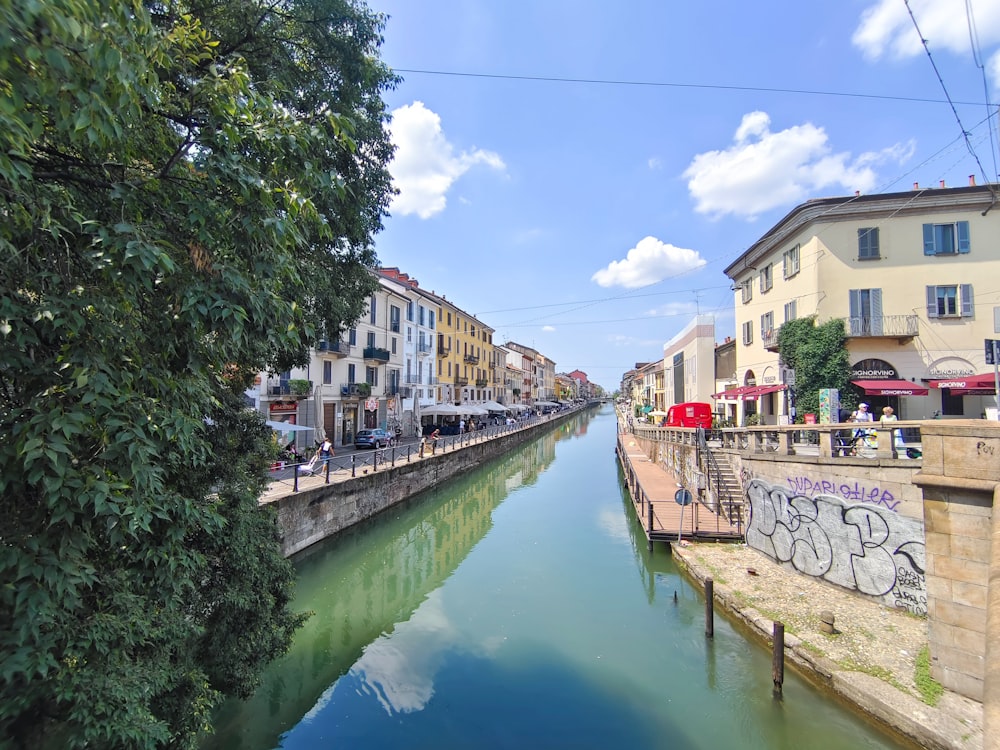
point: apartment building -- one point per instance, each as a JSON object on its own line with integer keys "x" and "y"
{"x": 910, "y": 274}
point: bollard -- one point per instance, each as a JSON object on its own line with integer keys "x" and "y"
{"x": 709, "y": 608}
{"x": 327, "y": 468}
{"x": 354, "y": 471}
{"x": 778, "y": 657}
{"x": 295, "y": 487}
{"x": 650, "y": 535}
{"x": 827, "y": 622}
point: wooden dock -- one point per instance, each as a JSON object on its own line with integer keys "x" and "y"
{"x": 653, "y": 489}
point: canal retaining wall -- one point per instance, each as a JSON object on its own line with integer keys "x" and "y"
{"x": 314, "y": 514}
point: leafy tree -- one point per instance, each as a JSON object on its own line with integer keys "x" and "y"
{"x": 188, "y": 194}
{"x": 818, "y": 354}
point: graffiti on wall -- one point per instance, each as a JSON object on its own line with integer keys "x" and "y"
{"x": 862, "y": 547}
{"x": 850, "y": 491}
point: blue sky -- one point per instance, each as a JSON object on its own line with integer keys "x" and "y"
{"x": 577, "y": 174}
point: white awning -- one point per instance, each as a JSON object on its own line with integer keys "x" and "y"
{"x": 285, "y": 426}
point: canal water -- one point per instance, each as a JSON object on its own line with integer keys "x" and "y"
{"x": 518, "y": 607}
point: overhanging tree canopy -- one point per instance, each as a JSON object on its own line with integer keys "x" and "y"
{"x": 818, "y": 354}
{"x": 189, "y": 193}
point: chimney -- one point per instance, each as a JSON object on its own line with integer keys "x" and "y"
{"x": 857, "y": 193}
{"x": 972, "y": 180}
{"x": 916, "y": 186}
{"x": 942, "y": 183}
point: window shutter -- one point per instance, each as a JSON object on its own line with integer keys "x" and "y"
{"x": 929, "y": 239}
{"x": 873, "y": 243}
{"x": 875, "y": 297}
{"x": 855, "y": 303}
{"x": 967, "y": 307}
{"x": 932, "y": 310}
{"x": 964, "y": 243}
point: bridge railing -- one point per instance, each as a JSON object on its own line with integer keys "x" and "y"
{"x": 899, "y": 440}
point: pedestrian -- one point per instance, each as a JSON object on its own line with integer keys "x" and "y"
{"x": 862, "y": 434}
{"x": 888, "y": 416}
{"x": 461, "y": 426}
{"x": 472, "y": 425}
{"x": 434, "y": 438}
{"x": 326, "y": 451}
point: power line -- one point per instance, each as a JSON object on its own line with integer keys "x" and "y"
{"x": 678, "y": 85}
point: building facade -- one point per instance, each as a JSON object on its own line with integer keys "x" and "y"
{"x": 907, "y": 272}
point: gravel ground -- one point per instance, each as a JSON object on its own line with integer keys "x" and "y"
{"x": 873, "y": 651}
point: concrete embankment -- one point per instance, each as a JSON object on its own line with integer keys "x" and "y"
{"x": 318, "y": 510}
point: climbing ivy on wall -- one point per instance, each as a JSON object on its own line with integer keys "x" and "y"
{"x": 818, "y": 354}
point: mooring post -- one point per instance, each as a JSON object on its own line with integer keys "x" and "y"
{"x": 295, "y": 487}
{"x": 649, "y": 534}
{"x": 778, "y": 657}
{"x": 354, "y": 472}
{"x": 709, "y": 608}
{"x": 327, "y": 467}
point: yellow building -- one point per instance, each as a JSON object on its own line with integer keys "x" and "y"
{"x": 912, "y": 276}
{"x": 465, "y": 354}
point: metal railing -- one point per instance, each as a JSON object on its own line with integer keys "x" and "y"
{"x": 884, "y": 325}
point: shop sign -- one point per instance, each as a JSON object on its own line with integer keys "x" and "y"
{"x": 874, "y": 369}
{"x": 371, "y": 404}
{"x": 280, "y": 406}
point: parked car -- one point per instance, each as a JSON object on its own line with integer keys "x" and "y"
{"x": 376, "y": 438}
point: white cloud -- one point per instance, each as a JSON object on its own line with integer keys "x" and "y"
{"x": 762, "y": 170}
{"x": 886, "y": 28}
{"x": 655, "y": 163}
{"x": 671, "y": 309}
{"x": 548, "y": 329}
{"x": 425, "y": 165}
{"x": 649, "y": 262}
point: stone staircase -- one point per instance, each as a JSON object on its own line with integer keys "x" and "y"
{"x": 725, "y": 486}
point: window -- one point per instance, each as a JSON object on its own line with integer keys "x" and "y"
{"x": 371, "y": 339}
{"x": 766, "y": 326}
{"x": 747, "y": 288}
{"x": 449, "y": 318}
{"x": 747, "y": 333}
{"x": 327, "y": 373}
{"x": 765, "y": 278}
{"x": 790, "y": 262}
{"x": 865, "y": 312}
{"x": 946, "y": 239}
{"x": 409, "y": 334}
{"x": 950, "y": 301}
{"x": 352, "y": 337}
{"x": 430, "y": 319}
{"x": 371, "y": 376}
{"x": 791, "y": 310}
{"x": 868, "y": 243}
{"x": 393, "y": 347}
{"x": 409, "y": 311}
{"x": 420, "y": 315}
{"x": 350, "y": 373}
{"x": 394, "y": 319}
{"x": 371, "y": 310}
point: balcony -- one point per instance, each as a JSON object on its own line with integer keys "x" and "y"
{"x": 375, "y": 354}
{"x": 293, "y": 388}
{"x": 424, "y": 348}
{"x": 336, "y": 348}
{"x": 903, "y": 328}
{"x": 443, "y": 350}
{"x": 461, "y": 382}
{"x": 355, "y": 390}
{"x": 769, "y": 340}
{"x": 471, "y": 359}
{"x": 482, "y": 382}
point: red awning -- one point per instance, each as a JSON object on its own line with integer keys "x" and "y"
{"x": 971, "y": 382}
{"x": 749, "y": 392}
{"x": 890, "y": 388}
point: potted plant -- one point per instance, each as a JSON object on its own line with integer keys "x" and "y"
{"x": 300, "y": 387}
{"x": 365, "y": 389}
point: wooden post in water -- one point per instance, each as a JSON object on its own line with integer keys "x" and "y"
{"x": 778, "y": 657}
{"x": 709, "y": 608}
{"x": 649, "y": 534}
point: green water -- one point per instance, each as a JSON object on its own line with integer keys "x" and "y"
{"x": 518, "y": 607}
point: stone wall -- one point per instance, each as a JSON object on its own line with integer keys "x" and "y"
{"x": 959, "y": 479}
{"x": 309, "y": 516}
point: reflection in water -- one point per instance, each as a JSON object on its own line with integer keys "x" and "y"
{"x": 382, "y": 573}
{"x": 518, "y": 606}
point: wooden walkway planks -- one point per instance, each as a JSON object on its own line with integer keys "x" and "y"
{"x": 653, "y": 486}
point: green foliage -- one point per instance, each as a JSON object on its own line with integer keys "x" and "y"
{"x": 300, "y": 387}
{"x": 930, "y": 689}
{"x": 189, "y": 193}
{"x": 818, "y": 354}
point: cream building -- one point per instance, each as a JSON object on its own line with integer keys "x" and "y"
{"x": 689, "y": 364}
{"x": 912, "y": 275}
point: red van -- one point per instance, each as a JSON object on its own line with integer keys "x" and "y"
{"x": 690, "y": 414}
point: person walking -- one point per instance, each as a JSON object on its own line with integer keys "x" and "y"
{"x": 325, "y": 451}
{"x": 863, "y": 435}
{"x": 461, "y": 426}
{"x": 886, "y": 420}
